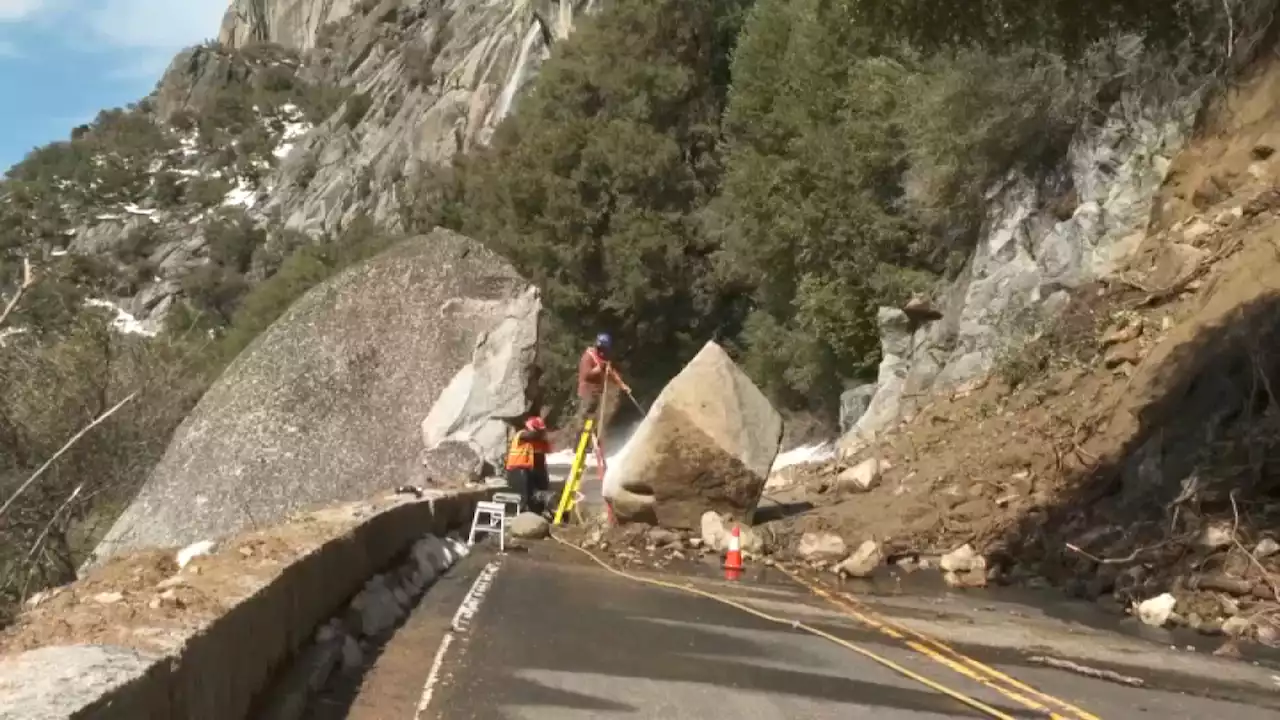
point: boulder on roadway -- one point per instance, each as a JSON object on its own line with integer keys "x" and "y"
{"x": 707, "y": 443}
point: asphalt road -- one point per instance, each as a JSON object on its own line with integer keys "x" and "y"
{"x": 545, "y": 635}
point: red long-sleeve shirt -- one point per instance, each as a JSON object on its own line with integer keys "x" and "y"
{"x": 590, "y": 373}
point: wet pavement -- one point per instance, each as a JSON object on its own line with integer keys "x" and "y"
{"x": 556, "y": 636}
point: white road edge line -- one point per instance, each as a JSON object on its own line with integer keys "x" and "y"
{"x": 461, "y": 623}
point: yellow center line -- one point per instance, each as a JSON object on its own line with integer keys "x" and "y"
{"x": 936, "y": 650}
{"x": 982, "y": 667}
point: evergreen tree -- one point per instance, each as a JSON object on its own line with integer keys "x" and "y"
{"x": 811, "y": 206}
{"x": 595, "y": 187}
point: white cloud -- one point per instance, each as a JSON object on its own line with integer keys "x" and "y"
{"x": 18, "y": 10}
{"x": 137, "y": 37}
{"x": 140, "y": 37}
{"x": 154, "y": 24}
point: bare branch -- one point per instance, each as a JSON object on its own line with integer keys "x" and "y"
{"x": 74, "y": 439}
{"x": 1128, "y": 558}
{"x": 1087, "y": 671}
{"x": 1231, "y": 29}
{"x": 28, "y": 279}
{"x": 27, "y": 567}
{"x": 1235, "y": 538}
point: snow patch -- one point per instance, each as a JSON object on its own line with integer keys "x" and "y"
{"x": 133, "y": 209}
{"x": 294, "y": 129}
{"x": 193, "y": 551}
{"x": 564, "y": 458}
{"x": 805, "y": 455}
{"x": 241, "y": 195}
{"x": 124, "y": 323}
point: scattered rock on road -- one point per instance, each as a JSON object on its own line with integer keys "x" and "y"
{"x": 1235, "y": 627}
{"x": 1156, "y": 611}
{"x": 964, "y": 568}
{"x": 864, "y": 561}
{"x": 529, "y": 526}
{"x": 1216, "y": 536}
{"x": 821, "y": 547}
{"x": 716, "y": 533}
{"x": 1266, "y": 548}
{"x": 662, "y": 537}
{"x": 963, "y": 559}
{"x": 708, "y": 443}
{"x": 861, "y": 477}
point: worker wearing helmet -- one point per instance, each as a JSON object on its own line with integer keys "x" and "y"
{"x": 595, "y": 369}
{"x": 527, "y": 464}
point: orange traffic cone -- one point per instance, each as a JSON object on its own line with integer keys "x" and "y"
{"x": 733, "y": 558}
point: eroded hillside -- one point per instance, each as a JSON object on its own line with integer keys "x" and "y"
{"x": 1129, "y": 448}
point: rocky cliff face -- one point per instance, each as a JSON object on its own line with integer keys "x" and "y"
{"x": 1045, "y": 237}
{"x": 305, "y": 116}
{"x": 292, "y": 23}
{"x": 429, "y": 80}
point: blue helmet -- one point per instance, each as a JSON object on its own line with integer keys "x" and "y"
{"x": 604, "y": 341}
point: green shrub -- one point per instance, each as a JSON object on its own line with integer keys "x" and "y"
{"x": 420, "y": 55}
{"x": 216, "y": 290}
{"x": 418, "y": 64}
{"x": 208, "y": 191}
{"x": 973, "y": 118}
{"x": 232, "y": 239}
{"x": 305, "y": 267}
{"x": 54, "y": 386}
{"x": 357, "y": 107}
{"x": 138, "y": 244}
{"x": 307, "y": 172}
{"x": 168, "y": 190}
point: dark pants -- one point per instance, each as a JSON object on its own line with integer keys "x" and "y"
{"x": 534, "y": 487}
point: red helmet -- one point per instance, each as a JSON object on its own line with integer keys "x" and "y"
{"x": 535, "y": 423}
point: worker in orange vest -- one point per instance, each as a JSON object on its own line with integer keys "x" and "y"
{"x": 595, "y": 369}
{"x": 527, "y": 464}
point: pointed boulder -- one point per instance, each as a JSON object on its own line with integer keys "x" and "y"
{"x": 707, "y": 443}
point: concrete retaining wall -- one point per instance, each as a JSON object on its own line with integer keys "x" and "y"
{"x": 215, "y": 667}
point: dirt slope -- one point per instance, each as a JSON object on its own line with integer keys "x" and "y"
{"x": 1131, "y": 449}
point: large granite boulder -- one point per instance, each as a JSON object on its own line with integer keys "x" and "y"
{"x": 327, "y": 405}
{"x": 707, "y": 443}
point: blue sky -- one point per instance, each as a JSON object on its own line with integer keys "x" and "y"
{"x": 61, "y": 61}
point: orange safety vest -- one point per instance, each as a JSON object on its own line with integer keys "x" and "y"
{"x": 520, "y": 455}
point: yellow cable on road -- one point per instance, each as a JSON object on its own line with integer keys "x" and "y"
{"x": 954, "y": 694}
{"x": 852, "y": 605}
{"x": 958, "y": 661}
